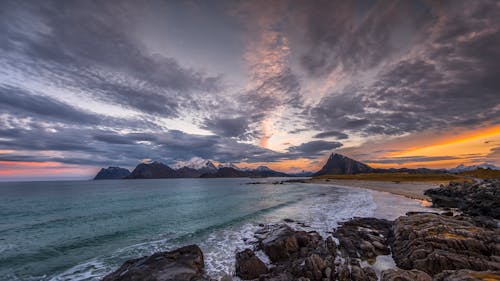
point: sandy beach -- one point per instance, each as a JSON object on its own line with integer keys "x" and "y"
{"x": 414, "y": 190}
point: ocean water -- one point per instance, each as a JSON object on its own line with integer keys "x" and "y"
{"x": 82, "y": 230}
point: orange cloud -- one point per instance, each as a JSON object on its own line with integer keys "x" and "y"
{"x": 449, "y": 148}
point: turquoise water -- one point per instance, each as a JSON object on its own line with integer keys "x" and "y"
{"x": 82, "y": 230}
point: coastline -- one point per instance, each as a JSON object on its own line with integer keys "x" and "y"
{"x": 412, "y": 190}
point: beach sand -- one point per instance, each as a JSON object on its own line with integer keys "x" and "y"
{"x": 414, "y": 190}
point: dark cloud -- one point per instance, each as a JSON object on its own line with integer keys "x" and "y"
{"x": 354, "y": 35}
{"x": 86, "y": 46}
{"x": 313, "y": 148}
{"x": 25, "y": 104}
{"x": 449, "y": 83}
{"x": 228, "y": 127}
{"x": 330, "y": 134}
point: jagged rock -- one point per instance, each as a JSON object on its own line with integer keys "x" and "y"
{"x": 281, "y": 241}
{"x": 185, "y": 263}
{"x": 467, "y": 275}
{"x": 364, "y": 238}
{"x": 340, "y": 164}
{"x": 404, "y": 275}
{"x": 248, "y": 265}
{"x": 314, "y": 267}
{"x": 433, "y": 243}
{"x": 112, "y": 173}
{"x": 296, "y": 255}
{"x": 476, "y": 199}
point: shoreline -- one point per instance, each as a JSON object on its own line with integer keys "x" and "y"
{"x": 411, "y": 190}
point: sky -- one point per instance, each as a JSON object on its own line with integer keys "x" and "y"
{"x": 90, "y": 84}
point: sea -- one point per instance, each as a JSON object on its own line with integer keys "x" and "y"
{"x": 83, "y": 230}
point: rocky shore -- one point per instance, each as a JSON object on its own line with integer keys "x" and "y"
{"x": 417, "y": 246}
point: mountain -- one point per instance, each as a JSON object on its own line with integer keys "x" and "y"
{"x": 228, "y": 165}
{"x": 226, "y": 172}
{"x": 263, "y": 172}
{"x": 302, "y": 174}
{"x": 340, "y": 164}
{"x": 112, "y": 173}
{"x": 155, "y": 170}
{"x": 196, "y": 163}
{"x": 462, "y": 168}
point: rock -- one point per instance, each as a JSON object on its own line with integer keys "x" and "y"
{"x": 364, "y": 238}
{"x": 226, "y": 277}
{"x": 404, "y": 275}
{"x": 315, "y": 265}
{"x": 112, "y": 173}
{"x": 467, "y": 275}
{"x": 185, "y": 263}
{"x": 433, "y": 243}
{"x": 476, "y": 199}
{"x": 248, "y": 265}
{"x": 280, "y": 242}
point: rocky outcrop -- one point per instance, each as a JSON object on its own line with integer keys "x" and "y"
{"x": 248, "y": 265}
{"x": 112, "y": 173}
{"x": 183, "y": 264}
{"x": 481, "y": 198}
{"x": 433, "y": 243}
{"x": 364, "y": 238}
{"x": 155, "y": 170}
{"x": 296, "y": 255}
{"x": 468, "y": 275}
{"x": 404, "y": 275}
{"x": 340, "y": 164}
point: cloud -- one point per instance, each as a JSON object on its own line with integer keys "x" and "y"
{"x": 411, "y": 159}
{"x": 22, "y": 103}
{"x": 228, "y": 127}
{"x": 99, "y": 58}
{"x": 313, "y": 148}
{"x": 329, "y": 134}
{"x": 446, "y": 80}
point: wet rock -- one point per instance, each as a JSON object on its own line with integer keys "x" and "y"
{"x": 404, "y": 275}
{"x": 248, "y": 265}
{"x": 467, "y": 275}
{"x": 185, "y": 263}
{"x": 314, "y": 267}
{"x": 481, "y": 198}
{"x": 433, "y": 243}
{"x": 281, "y": 242}
{"x": 364, "y": 238}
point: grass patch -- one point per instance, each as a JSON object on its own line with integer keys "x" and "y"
{"x": 482, "y": 173}
{"x": 396, "y": 177}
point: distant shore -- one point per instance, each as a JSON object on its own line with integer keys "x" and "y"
{"x": 413, "y": 190}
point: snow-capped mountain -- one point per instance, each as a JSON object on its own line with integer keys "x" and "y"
{"x": 463, "y": 168}
{"x": 228, "y": 165}
{"x": 196, "y": 163}
{"x": 262, "y": 168}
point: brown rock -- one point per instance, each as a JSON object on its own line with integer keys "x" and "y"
{"x": 433, "y": 243}
{"x": 248, "y": 265}
{"x": 315, "y": 265}
{"x": 185, "y": 263}
{"x": 468, "y": 275}
{"x": 404, "y": 275}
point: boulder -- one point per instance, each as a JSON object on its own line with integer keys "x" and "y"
{"x": 481, "y": 198}
{"x": 248, "y": 265}
{"x": 183, "y": 264}
{"x": 433, "y": 243}
{"x": 281, "y": 242}
{"x": 404, "y": 275}
{"x": 364, "y": 238}
{"x": 467, "y": 275}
